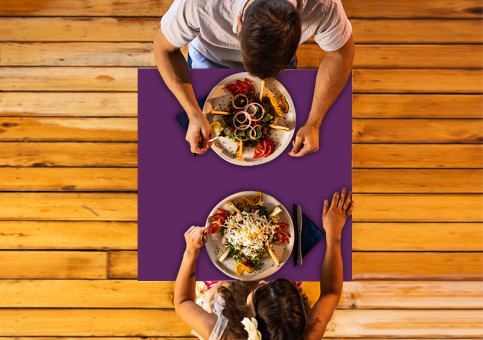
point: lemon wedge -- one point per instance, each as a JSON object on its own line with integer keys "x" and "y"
{"x": 216, "y": 126}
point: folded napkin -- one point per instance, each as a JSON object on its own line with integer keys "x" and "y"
{"x": 311, "y": 235}
{"x": 182, "y": 117}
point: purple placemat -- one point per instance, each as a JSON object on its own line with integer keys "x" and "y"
{"x": 177, "y": 190}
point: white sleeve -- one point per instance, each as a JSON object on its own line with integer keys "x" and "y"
{"x": 335, "y": 29}
{"x": 180, "y": 25}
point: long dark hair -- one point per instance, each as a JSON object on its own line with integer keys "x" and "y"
{"x": 280, "y": 309}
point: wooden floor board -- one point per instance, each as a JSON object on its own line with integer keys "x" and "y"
{"x": 365, "y": 265}
{"x": 417, "y": 181}
{"x": 52, "y": 265}
{"x": 149, "y": 322}
{"x": 134, "y": 54}
{"x": 135, "y": 29}
{"x": 353, "y": 8}
{"x": 134, "y": 294}
{"x": 68, "y": 179}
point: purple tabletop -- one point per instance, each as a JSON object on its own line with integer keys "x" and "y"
{"x": 177, "y": 190}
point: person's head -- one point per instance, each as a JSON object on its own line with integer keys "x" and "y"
{"x": 280, "y": 310}
{"x": 269, "y": 35}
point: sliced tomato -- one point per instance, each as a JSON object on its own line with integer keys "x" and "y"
{"x": 283, "y": 225}
{"x": 251, "y": 88}
{"x": 260, "y": 149}
{"x": 233, "y": 89}
{"x": 213, "y": 228}
{"x": 283, "y": 234}
{"x": 223, "y": 213}
{"x": 270, "y": 146}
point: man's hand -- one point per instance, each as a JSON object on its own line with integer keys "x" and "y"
{"x": 199, "y": 133}
{"x": 335, "y": 214}
{"x": 306, "y": 141}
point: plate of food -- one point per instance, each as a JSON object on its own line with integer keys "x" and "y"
{"x": 253, "y": 120}
{"x": 250, "y": 235}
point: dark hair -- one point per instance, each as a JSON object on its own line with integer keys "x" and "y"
{"x": 234, "y": 294}
{"x": 269, "y": 37}
{"x": 280, "y": 310}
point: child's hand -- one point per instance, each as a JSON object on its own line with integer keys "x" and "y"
{"x": 335, "y": 214}
{"x": 195, "y": 238}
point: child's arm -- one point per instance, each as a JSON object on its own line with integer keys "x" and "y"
{"x": 331, "y": 279}
{"x": 184, "y": 291}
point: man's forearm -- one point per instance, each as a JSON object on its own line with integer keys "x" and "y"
{"x": 186, "y": 280}
{"x": 332, "y": 275}
{"x": 174, "y": 70}
{"x": 332, "y": 75}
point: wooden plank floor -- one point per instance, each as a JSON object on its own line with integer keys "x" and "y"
{"x": 68, "y": 177}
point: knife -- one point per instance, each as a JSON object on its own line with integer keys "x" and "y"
{"x": 299, "y": 224}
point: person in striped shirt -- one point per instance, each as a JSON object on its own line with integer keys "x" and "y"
{"x": 261, "y": 36}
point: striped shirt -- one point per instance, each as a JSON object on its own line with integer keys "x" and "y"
{"x": 210, "y": 28}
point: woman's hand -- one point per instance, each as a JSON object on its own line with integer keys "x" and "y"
{"x": 195, "y": 239}
{"x": 335, "y": 214}
{"x": 199, "y": 133}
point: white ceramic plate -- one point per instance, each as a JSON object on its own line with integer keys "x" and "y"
{"x": 219, "y": 98}
{"x": 266, "y": 267}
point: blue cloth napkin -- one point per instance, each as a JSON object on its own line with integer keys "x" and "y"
{"x": 311, "y": 235}
{"x": 182, "y": 117}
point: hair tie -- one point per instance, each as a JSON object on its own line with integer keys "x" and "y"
{"x": 251, "y": 326}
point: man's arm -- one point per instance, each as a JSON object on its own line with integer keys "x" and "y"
{"x": 184, "y": 290}
{"x": 174, "y": 70}
{"x": 331, "y": 78}
{"x": 331, "y": 278}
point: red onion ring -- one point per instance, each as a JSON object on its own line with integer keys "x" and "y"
{"x": 235, "y": 98}
{"x": 254, "y": 128}
{"x": 252, "y": 114}
{"x": 238, "y": 138}
{"x": 242, "y": 124}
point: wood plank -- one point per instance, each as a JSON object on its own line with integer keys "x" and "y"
{"x": 69, "y": 154}
{"x": 149, "y": 322}
{"x": 123, "y": 207}
{"x": 68, "y": 79}
{"x": 79, "y": 29}
{"x": 353, "y": 8}
{"x": 416, "y": 181}
{"x": 365, "y": 265}
{"x": 144, "y": 29}
{"x": 412, "y": 9}
{"x": 417, "y": 156}
{"x": 125, "y": 179}
{"x": 68, "y": 104}
{"x": 309, "y": 55}
{"x": 43, "y": 154}
{"x": 398, "y": 56}
{"x": 68, "y": 206}
{"x": 417, "y": 106}
{"x": 424, "y": 131}
{"x": 430, "y": 237}
{"x": 68, "y": 179}
{"x": 67, "y": 235}
{"x": 52, "y": 265}
{"x": 125, "y": 79}
{"x": 68, "y": 129}
{"x": 123, "y": 265}
{"x": 414, "y": 31}
{"x": 418, "y": 208}
{"x": 417, "y": 81}
{"x": 416, "y": 265}
{"x": 125, "y": 104}
{"x": 135, "y": 294}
